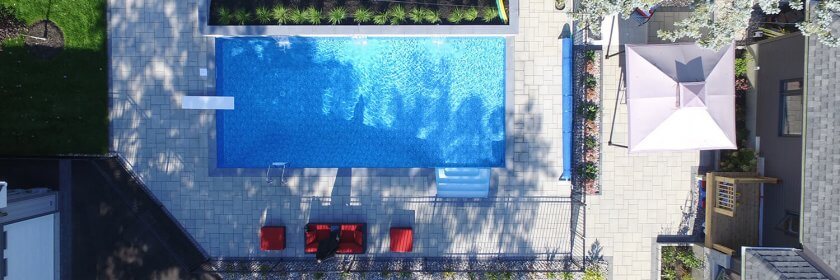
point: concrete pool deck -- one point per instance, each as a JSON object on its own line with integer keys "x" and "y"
{"x": 156, "y": 54}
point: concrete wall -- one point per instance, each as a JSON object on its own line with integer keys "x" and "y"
{"x": 778, "y": 59}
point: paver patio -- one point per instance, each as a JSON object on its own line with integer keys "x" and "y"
{"x": 156, "y": 53}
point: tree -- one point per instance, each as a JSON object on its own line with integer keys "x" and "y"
{"x": 592, "y": 12}
{"x": 819, "y": 24}
{"x": 714, "y": 24}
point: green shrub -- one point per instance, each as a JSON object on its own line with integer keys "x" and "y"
{"x": 470, "y": 14}
{"x": 593, "y": 273}
{"x": 742, "y": 160}
{"x": 456, "y": 15}
{"x": 337, "y": 15}
{"x": 363, "y": 15}
{"x": 489, "y": 14}
{"x": 318, "y": 275}
{"x": 405, "y": 274}
{"x": 430, "y": 16}
{"x": 380, "y": 18}
{"x": 448, "y": 274}
{"x": 589, "y": 111}
{"x": 741, "y": 65}
{"x": 491, "y": 275}
{"x": 397, "y": 14}
{"x": 280, "y": 14}
{"x": 589, "y": 171}
{"x": 241, "y": 16}
{"x": 590, "y": 143}
{"x": 262, "y": 15}
{"x": 687, "y": 258}
{"x": 296, "y": 16}
{"x": 590, "y": 55}
{"x": 224, "y": 16}
{"x": 415, "y": 15}
{"x": 590, "y": 81}
{"x": 567, "y": 275}
{"x": 345, "y": 275}
{"x": 312, "y": 15}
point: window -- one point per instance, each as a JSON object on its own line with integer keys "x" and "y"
{"x": 790, "y": 115}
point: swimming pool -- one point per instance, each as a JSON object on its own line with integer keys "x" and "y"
{"x": 379, "y": 102}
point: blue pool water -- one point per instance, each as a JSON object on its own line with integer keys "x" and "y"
{"x": 361, "y": 102}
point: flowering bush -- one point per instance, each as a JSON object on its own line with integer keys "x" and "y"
{"x": 742, "y": 84}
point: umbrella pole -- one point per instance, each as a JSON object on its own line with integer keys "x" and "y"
{"x": 615, "y": 111}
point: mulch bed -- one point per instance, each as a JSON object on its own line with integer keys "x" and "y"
{"x": 442, "y": 6}
{"x": 45, "y": 39}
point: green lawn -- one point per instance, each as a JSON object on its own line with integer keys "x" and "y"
{"x": 58, "y": 106}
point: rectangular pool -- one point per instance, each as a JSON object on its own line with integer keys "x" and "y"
{"x": 379, "y": 102}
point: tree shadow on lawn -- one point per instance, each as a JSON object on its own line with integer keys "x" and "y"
{"x": 53, "y": 107}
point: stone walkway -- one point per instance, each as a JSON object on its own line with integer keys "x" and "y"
{"x": 156, "y": 53}
{"x": 643, "y": 195}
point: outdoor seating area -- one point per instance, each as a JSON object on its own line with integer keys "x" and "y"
{"x": 351, "y": 237}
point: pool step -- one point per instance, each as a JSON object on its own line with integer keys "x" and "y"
{"x": 462, "y": 182}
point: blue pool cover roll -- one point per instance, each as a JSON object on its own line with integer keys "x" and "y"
{"x": 568, "y": 109}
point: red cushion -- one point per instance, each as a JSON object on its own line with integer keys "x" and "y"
{"x": 272, "y": 238}
{"x": 311, "y": 248}
{"x": 402, "y": 240}
{"x": 351, "y": 237}
{"x": 349, "y": 248}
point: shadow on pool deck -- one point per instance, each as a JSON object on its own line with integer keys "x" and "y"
{"x": 117, "y": 230}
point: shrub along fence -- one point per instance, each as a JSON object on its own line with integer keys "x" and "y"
{"x": 359, "y": 12}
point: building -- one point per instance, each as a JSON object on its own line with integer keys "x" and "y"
{"x": 30, "y": 226}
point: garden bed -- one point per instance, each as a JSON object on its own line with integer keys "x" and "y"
{"x": 587, "y": 120}
{"x": 355, "y": 12}
{"x": 744, "y": 159}
{"x": 679, "y": 263}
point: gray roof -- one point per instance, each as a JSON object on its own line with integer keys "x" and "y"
{"x": 777, "y": 263}
{"x": 821, "y": 173}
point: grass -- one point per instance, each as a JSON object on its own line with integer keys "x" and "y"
{"x": 58, "y": 106}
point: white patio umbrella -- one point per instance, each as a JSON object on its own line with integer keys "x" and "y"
{"x": 680, "y": 97}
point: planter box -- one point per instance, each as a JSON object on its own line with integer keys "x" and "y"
{"x": 713, "y": 261}
{"x": 350, "y": 30}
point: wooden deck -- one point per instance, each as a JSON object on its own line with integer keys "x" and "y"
{"x": 727, "y": 231}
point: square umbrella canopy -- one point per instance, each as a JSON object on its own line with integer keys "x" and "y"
{"x": 680, "y": 97}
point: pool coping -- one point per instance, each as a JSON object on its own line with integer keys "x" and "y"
{"x": 204, "y": 28}
{"x": 215, "y": 171}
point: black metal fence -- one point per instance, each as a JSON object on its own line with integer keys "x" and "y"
{"x": 380, "y": 264}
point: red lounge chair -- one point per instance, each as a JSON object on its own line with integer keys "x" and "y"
{"x": 402, "y": 240}
{"x": 272, "y": 238}
{"x": 351, "y": 238}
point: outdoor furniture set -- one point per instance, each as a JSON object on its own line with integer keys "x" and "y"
{"x": 334, "y": 238}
